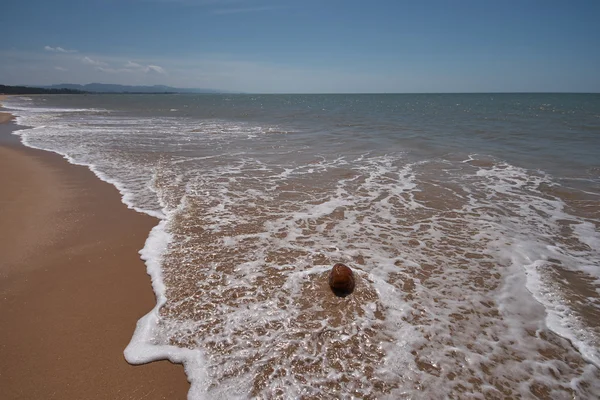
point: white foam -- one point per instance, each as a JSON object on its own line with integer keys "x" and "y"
{"x": 143, "y": 348}
{"x": 382, "y": 194}
{"x": 530, "y": 251}
{"x": 483, "y": 238}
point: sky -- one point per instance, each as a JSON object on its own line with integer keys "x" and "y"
{"x": 308, "y": 46}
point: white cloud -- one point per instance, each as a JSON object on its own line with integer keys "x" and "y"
{"x": 58, "y": 68}
{"x": 131, "y": 64}
{"x": 224, "y": 11}
{"x": 58, "y": 49}
{"x": 201, "y": 3}
{"x": 222, "y": 7}
{"x": 156, "y": 68}
{"x": 108, "y": 70}
{"x": 89, "y": 61}
{"x": 203, "y": 70}
{"x": 226, "y": 72}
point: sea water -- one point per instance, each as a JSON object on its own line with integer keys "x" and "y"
{"x": 471, "y": 223}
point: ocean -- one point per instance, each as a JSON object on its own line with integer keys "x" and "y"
{"x": 471, "y": 222}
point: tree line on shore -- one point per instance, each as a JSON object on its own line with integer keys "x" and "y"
{"x": 4, "y": 89}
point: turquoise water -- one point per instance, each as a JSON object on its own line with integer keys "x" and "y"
{"x": 471, "y": 222}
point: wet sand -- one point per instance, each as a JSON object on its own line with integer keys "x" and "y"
{"x": 72, "y": 285}
{"x": 4, "y": 116}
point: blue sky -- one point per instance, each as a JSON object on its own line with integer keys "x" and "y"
{"x": 310, "y": 46}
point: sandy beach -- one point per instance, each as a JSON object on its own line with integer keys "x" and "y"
{"x": 72, "y": 285}
{"x": 4, "y": 116}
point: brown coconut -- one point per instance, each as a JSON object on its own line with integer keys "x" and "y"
{"x": 341, "y": 280}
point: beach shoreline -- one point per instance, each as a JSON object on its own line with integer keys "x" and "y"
{"x": 4, "y": 116}
{"x": 72, "y": 283}
{"x": 464, "y": 245}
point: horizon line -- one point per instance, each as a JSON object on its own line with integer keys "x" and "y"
{"x": 230, "y": 92}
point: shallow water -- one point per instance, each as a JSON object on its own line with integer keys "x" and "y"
{"x": 471, "y": 222}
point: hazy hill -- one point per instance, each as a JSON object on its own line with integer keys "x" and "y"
{"x": 113, "y": 88}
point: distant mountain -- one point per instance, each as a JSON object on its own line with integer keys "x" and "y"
{"x": 113, "y": 88}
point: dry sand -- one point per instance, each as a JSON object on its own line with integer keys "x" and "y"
{"x": 72, "y": 285}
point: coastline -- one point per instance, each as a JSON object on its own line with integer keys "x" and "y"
{"x": 72, "y": 283}
{"x": 4, "y": 116}
{"x": 478, "y": 242}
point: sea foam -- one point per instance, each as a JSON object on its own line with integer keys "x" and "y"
{"x": 458, "y": 262}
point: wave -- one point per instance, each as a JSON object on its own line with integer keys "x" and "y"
{"x": 464, "y": 268}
